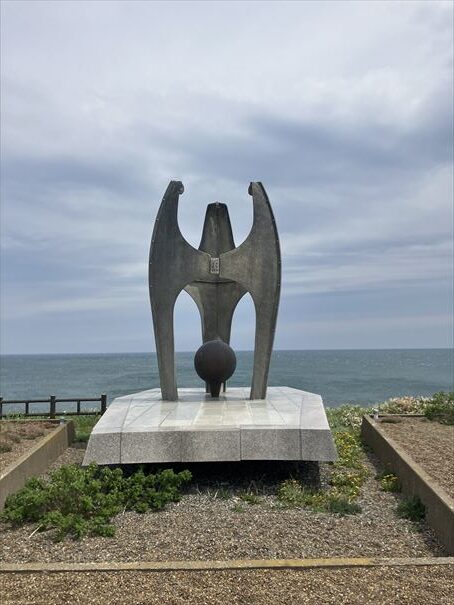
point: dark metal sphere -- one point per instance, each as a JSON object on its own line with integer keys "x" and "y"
{"x": 215, "y": 362}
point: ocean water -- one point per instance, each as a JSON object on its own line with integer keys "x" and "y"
{"x": 357, "y": 376}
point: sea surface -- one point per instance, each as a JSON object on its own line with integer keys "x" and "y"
{"x": 345, "y": 376}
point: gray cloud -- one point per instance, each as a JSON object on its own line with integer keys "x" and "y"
{"x": 343, "y": 110}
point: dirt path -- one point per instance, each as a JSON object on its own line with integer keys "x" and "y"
{"x": 380, "y": 586}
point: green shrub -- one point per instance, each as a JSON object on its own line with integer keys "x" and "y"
{"x": 441, "y": 408}
{"x": 79, "y": 501}
{"x": 412, "y": 509}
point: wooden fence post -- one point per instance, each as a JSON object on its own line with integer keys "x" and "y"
{"x": 103, "y": 403}
{"x": 1, "y": 407}
{"x": 52, "y": 406}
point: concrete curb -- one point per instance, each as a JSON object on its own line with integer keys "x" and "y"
{"x": 36, "y": 460}
{"x": 415, "y": 481}
{"x": 239, "y": 564}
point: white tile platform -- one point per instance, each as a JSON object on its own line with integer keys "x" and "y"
{"x": 288, "y": 425}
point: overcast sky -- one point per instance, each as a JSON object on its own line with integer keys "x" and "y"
{"x": 342, "y": 110}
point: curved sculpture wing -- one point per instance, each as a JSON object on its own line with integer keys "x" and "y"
{"x": 256, "y": 265}
{"x": 173, "y": 264}
{"x": 216, "y": 276}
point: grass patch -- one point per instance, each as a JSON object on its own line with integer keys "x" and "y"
{"x": 223, "y": 494}
{"x": 238, "y": 508}
{"x": 389, "y": 482}
{"x": 412, "y": 509}
{"x": 347, "y": 477}
{"x": 82, "y": 437}
{"x": 341, "y": 506}
{"x": 83, "y": 426}
{"x": 250, "y": 497}
{"x": 79, "y": 501}
{"x": 291, "y": 493}
{"x": 214, "y": 493}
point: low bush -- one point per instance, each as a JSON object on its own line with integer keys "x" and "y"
{"x": 441, "y": 408}
{"x": 79, "y": 501}
{"x": 403, "y": 405}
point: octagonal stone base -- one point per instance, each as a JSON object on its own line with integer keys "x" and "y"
{"x": 142, "y": 428}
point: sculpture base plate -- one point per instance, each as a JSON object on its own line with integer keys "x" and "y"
{"x": 142, "y": 428}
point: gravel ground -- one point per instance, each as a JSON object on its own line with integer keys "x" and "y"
{"x": 430, "y": 444}
{"x": 72, "y": 455}
{"x": 20, "y": 436}
{"x": 381, "y": 586}
{"x": 203, "y": 526}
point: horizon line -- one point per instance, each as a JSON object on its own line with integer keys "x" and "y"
{"x": 448, "y": 348}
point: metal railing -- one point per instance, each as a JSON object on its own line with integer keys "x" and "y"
{"x": 52, "y": 401}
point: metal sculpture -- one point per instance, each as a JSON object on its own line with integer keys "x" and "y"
{"x": 216, "y": 276}
{"x": 215, "y": 362}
